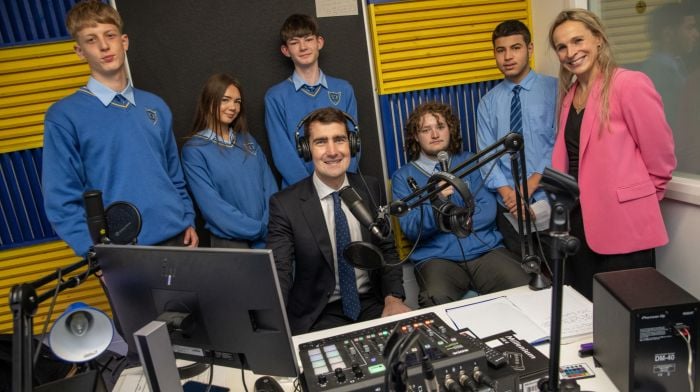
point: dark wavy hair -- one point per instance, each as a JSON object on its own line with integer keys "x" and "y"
{"x": 413, "y": 125}
{"x": 298, "y": 25}
{"x": 207, "y": 112}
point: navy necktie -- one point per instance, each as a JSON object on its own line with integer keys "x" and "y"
{"x": 516, "y": 113}
{"x": 346, "y": 272}
{"x": 120, "y": 100}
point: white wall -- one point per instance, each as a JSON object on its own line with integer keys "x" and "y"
{"x": 543, "y": 13}
{"x": 679, "y": 259}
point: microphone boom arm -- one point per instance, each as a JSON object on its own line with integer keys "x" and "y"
{"x": 24, "y": 302}
{"x": 512, "y": 144}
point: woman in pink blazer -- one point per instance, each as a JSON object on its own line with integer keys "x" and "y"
{"x": 614, "y": 138}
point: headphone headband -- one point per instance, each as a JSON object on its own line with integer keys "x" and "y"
{"x": 302, "y": 142}
{"x": 348, "y": 118}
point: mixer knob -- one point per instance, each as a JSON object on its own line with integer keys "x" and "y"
{"x": 322, "y": 380}
{"x": 357, "y": 370}
{"x": 339, "y": 375}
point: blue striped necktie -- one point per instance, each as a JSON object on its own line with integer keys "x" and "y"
{"x": 121, "y": 101}
{"x": 516, "y": 113}
{"x": 346, "y": 272}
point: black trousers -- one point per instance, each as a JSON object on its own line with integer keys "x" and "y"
{"x": 218, "y": 242}
{"x": 333, "y": 316}
{"x": 580, "y": 268}
{"x": 442, "y": 281}
{"x": 177, "y": 240}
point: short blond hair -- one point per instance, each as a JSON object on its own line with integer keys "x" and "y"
{"x": 89, "y": 13}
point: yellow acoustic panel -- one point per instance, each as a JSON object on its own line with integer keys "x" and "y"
{"x": 31, "y": 79}
{"x": 435, "y": 43}
{"x": 27, "y": 264}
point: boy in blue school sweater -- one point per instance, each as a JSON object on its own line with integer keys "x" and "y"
{"x": 115, "y": 138}
{"x": 308, "y": 89}
{"x": 447, "y": 267}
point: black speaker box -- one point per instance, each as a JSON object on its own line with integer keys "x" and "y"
{"x": 637, "y": 315}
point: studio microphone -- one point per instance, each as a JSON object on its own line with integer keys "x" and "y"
{"x": 443, "y": 157}
{"x": 95, "y": 212}
{"x": 360, "y": 211}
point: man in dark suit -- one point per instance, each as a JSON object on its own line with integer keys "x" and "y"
{"x": 320, "y": 289}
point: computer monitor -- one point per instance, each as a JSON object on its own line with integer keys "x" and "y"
{"x": 236, "y": 314}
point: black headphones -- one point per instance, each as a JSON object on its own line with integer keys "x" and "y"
{"x": 450, "y": 217}
{"x": 304, "y": 150}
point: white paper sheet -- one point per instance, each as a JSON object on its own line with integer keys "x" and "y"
{"x": 542, "y": 211}
{"x": 577, "y": 311}
{"x": 327, "y": 8}
{"x": 495, "y": 316}
{"x": 528, "y": 315}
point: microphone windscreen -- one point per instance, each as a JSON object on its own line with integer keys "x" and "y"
{"x": 123, "y": 223}
{"x": 364, "y": 255}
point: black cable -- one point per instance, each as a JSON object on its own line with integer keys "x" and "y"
{"x": 375, "y": 206}
{"x": 59, "y": 280}
{"x": 211, "y": 375}
{"x": 101, "y": 370}
{"x": 466, "y": 266}
{"x": 119, "y": 368}
{"x": 245, "y": 387}
{"x": 544, "y": 258}
{"x": 416, "y": 242}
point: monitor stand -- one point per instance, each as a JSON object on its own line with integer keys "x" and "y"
{"x": 158, "y": 361}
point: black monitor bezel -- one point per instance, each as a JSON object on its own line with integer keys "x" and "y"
{"x": 236, "y": 292}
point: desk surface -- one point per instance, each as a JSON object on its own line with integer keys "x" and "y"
{"x": 232, "y": 377}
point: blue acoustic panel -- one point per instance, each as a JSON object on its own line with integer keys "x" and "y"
{"x": 25, "y": 22}
{"x": 395, "y": 109}
{"x": 22, "y": 217}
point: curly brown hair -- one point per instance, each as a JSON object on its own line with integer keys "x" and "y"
{"x": 415, "y": 120}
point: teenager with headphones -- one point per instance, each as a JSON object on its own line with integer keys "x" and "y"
{"x": 309, "y": 225}
{"x": 460, "y": 247}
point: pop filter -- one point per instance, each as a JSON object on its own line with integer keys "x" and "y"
{"x": 364, "y": 255}
{"x": 123, "y": 223}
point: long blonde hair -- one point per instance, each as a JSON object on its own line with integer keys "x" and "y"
{"x": 606, "y": 61}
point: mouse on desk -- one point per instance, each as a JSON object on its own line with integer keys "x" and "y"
{"x": 267, "y": 384}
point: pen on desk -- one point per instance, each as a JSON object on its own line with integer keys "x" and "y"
{"x": 585, "y": 350}
{"x": 539, "y": 341}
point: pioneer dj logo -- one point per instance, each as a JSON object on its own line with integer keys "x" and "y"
{"x": 664, "y": 357}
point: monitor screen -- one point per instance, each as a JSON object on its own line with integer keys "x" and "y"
{"x": 227, "y": 303}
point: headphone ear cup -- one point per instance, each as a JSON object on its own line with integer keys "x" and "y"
{"x": 303, "y": 147}
{"x": 461, "y": 222}
{"x": 442, "y": 215}
{"x": 354, "y": 140}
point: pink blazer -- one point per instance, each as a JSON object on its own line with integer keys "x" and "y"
{"x": 623, "y": 169}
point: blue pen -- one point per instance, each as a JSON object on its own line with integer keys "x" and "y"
{"x": 537, "y": 342}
